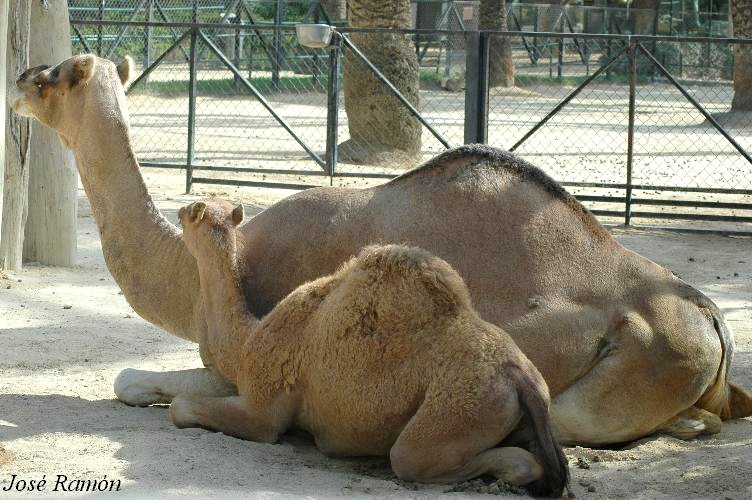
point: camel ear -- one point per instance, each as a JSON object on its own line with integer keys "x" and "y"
{"x": 82, "y": 69}
{"x": 124, "y": 70}
{"x": 237, "y": 215}
{"x": 197, "y": 211}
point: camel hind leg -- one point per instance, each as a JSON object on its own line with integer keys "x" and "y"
{"x": 691, "y": 423}
{"x": 233, "y": 416}
{"x": 440, "y": 444}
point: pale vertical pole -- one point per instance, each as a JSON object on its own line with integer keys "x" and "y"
{"x": 50, "y": 233}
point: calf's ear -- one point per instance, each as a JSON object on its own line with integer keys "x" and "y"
{"x": 237, "y": 215}
{"x": 197, "y": 211}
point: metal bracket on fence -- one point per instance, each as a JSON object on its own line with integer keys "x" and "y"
{"x": 173, "y": 32}
{"x": 476, "y": 88}
{"x": 260, "y": 98}
{"x": 532, "y": 51}
{"x": 144, "y": 74}
{"x": 568, "y": 98}
{"x": 81, "y": 38}
{"x": 253, "y": 23}
{"x": 124, "y": 29}
{"x": 695, "y": 103}
{"x": 394, "y": 90}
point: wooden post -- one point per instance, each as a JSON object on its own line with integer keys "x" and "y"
{"x": 3, "y": 43}
{"x": 17, "y": 136}
{"x": 50, "y": 234}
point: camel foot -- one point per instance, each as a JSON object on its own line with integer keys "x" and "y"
{"x": 144, "y": 388}
{"x": 133, "y": 388}
{"x": 691, "y": 423}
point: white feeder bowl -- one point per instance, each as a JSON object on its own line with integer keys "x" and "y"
{"x": 315, "y": 36}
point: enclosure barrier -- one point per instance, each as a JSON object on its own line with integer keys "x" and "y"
{"x": 603, "y": 114}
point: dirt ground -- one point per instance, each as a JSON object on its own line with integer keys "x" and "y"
{"x": 65, "y": 333}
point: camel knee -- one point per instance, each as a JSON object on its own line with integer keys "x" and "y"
{"x": 691, "y": 423}
{"x": 514, "y": 465}
{"x": 414, "y": 465}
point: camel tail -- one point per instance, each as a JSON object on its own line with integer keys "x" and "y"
{"x": 547, "y": 449}
{"x": 724, "y": 398}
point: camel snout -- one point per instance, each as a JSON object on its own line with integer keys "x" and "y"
{"x": 17, "y": 103}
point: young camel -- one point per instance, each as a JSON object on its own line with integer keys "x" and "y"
{"x": 384, "y": 357}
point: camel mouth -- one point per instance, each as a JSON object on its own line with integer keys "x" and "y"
{"x": 17, "y": 103}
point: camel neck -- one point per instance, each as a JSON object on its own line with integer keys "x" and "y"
{"x": 142, "y": 250}
{"x": 228, "y": 319}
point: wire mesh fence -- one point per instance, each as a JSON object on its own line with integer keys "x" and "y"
{"x": 262, "y": 106}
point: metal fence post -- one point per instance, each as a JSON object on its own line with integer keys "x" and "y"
{"x": 476, "y": 87}
{"x": 238, "y": 43}
{"x": 560, "y": 47}
{"x": 100, "y": 35}
{"x": 149, "y": 33}
{"x": 332, "y": 113}
{"x": 631, "y": 54}
{"x": 278, "y": 18}
{"x": 190, "y": 156}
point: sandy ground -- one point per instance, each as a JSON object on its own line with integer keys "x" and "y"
{"x": 66, "y": 333}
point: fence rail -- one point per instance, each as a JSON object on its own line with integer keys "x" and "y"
{"x": 606, "y": 115}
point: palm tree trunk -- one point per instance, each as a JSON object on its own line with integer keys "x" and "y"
{"x": 493, "y": 16}
{"x": 379, "y": 124}
{"x": 335, "y": 9}
{"x": 741, "y": 15}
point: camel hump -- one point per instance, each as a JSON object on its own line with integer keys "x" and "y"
{"x": 535, "y": 403}
{"x": 412, "y": 270}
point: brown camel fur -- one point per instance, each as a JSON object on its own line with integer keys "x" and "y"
{"x": 384, "y": 357}
{"x": 625, "y": 347}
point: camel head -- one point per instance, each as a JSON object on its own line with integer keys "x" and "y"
{"x": 210, "y": 224}
{"x": 56, "y": 95}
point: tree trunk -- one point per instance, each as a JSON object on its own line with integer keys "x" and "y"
{"x": 741, "y": 14}
{"x": 16, "y": 189}
{"x": 335, "y": 9}
{"x": 50, "y": 234}
{"x": 382, "y": 130}
{"x": 493, "y": 16}
{"x": 3, "y": 107}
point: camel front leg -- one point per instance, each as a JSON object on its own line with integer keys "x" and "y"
{"x": 144, "y": 388}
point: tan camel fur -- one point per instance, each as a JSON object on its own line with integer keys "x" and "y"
{"x": 384, "y": 357}
{"x": 625, "y": 347}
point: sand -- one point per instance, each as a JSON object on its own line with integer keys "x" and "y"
{"x": 65, "y": 333}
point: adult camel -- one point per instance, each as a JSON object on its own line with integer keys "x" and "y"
{"x": 627, "y": 348}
